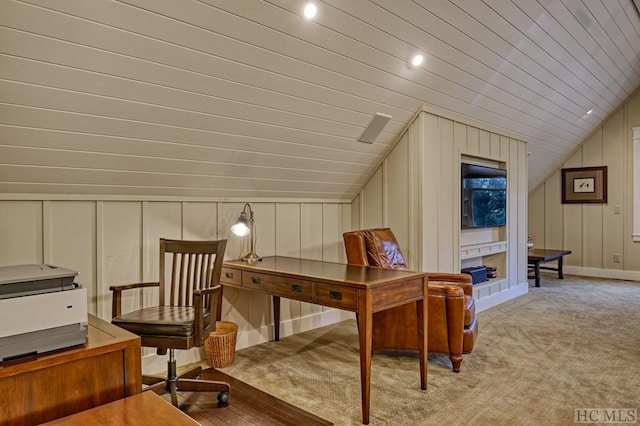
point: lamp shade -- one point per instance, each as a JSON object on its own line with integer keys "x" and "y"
{"x": 241, "y": 227}
{"x": 245, "y": 226}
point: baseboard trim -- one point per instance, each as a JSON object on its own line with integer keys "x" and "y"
{"x": 501, "y": 297}
{"x": 615, "y": 274}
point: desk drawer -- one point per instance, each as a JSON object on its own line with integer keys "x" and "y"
{"x": 337, "y": 296}
{"x": 279, "y": 286}
{"x": 231, "y": 276}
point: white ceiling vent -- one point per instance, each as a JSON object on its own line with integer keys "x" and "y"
{"x": 374, "y": 127}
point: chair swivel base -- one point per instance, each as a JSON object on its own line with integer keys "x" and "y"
{"x": 186, "y": 381}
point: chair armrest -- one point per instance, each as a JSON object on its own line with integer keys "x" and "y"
{"x": 461, "y": 280}
{"x": 116, "y": 296}
{"x": 445, "y": 289}
{"x": 198, "y": 312}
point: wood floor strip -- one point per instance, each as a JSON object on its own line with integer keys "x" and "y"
{"x": 247, "y": 406}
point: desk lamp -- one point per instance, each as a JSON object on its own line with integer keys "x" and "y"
{"x": 244, "y": 227}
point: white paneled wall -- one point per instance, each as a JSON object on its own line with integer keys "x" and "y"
{"x": 110, "y": 242}
{"x": 416, "y": 193}
{"x": 594, "y": 232}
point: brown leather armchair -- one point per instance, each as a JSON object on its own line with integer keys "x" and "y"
{"x": 452, "y": 323}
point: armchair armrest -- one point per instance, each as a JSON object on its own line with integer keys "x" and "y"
{"x": 198, "y": 307}
{"x": 116, "y": 296}
{"x": 445, "y": 289}
{"x": 461, "y": 280}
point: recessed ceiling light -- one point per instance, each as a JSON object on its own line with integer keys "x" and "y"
{"x": 310, "y": 11}
{"x": 590, "y": 111}
{"x": 417, "y": 60}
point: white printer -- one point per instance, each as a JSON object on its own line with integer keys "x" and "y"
{"x": 41, "y": 310}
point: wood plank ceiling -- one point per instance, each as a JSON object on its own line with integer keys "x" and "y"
{"x": 247, "y": 99}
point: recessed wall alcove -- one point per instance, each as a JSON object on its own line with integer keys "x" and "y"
{"x": 416, "y": 192}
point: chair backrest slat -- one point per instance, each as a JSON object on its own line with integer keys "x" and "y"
{"x": 196, "y": 265}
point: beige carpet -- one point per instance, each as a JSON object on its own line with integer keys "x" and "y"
{"x": 573, "y": 343}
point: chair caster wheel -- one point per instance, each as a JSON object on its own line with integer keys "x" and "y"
{"x": 223, "y": 398}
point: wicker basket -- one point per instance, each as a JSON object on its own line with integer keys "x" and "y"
{"x": 220, "y": 346}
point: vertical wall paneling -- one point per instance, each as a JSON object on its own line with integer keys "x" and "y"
{"x": 100, "y": 285}
{"x": 356, "y": 213}
{"x": 632, "y": 220}
{"x": 572, "y": 221}
{"x": 311, "y": 231}
{"x": 422, "y": 189}
{"x": 593, "y": 213}
{"x": 160, "y": 220}
{"x": 613, "y": 155}
{"x": 115, "y": 242}
{"x": 484, "y": 144}
{"x": 347, "y": 224}
{"x": 371, "y": 202}
{"x": 288, "y": 230}
{"x": 416, "y": 180}
{"x": 397, "y": 199}
{"x": 311, "y": 243}
{"x": 69, "y": 241}
{"x": 332, "y": 245}
{"x": 522, "y": 172}
{"x": 265, "y": 214}
{"x": 21, "y": 232}
{"x": 199, "y": 221}
{"x": 430, "y": 197}
{"x": 513, "y": 205}
{"x": 594, "y": 232}
{"x": 536, "y": 224}
{"x": 473, "y": 141}
{"x": 448, "y": 223}
{"x": 553, "y": 214}
{"x": 121, "y": 231}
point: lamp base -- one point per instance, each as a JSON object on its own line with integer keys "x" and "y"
{"x": 251, "y": 257}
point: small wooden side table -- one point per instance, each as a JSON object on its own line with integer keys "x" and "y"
{"x": 536, "y": 257}
{"x": 141, "y": 409}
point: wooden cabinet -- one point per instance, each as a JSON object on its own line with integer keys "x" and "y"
{"x": 39, "y": 389}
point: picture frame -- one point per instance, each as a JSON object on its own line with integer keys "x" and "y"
{"x": 584, "y": 185}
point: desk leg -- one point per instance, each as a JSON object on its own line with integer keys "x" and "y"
{"x": 421, "y": 306}
{"x": 365, "y": 333}
{"x": 536, "y": 268}
{"x": 276, "y": 318}
{"x": 219, "y": 311}
{"x": 560, "y": 274}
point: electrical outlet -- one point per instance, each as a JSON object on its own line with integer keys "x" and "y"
{"x": 616, "y": 258}
{"x": 617, "y": 209}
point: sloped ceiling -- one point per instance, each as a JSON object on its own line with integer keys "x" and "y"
{"x": 248, "y": 99}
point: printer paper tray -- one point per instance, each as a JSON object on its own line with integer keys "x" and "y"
{"x": 42, "y": 341}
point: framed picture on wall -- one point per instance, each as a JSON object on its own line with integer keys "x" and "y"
{"x": 584, "y": 185}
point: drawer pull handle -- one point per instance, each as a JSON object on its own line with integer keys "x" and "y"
{"x": 255, "y": 280}
{"x": 229, "y": 274}
{"x": 335, "y": 295}
{"x": 297, "y": 288}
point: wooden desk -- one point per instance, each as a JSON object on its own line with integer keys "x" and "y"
{"x": 536, "y": 257}
{"x": 141, "y": 409}
{"x": 359, "y": 289}
{"x": 42, "y": 388}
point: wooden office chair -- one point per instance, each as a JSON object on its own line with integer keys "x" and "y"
{"x": 185, "y": 315}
